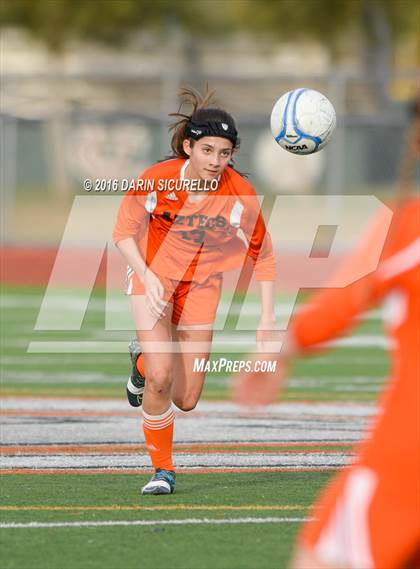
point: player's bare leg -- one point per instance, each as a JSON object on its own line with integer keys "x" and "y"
{"x": 188, "y": 384}
{"x": 158, "y": 365}
{"x": 158, "y": 416}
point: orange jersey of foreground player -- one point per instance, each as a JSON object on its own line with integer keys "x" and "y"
{"x": 191, "y": 241}
{"x": 370, "y": 515}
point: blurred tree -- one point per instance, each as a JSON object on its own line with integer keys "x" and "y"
{"x": 113, "y": 21}
{"x": 325, "y": 20}
{"x": 107, "y": 21}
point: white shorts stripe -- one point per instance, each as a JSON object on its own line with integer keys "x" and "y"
{"x": 404, "y": 260}
{"x": 130, "y": 283}
{"x": 345, "y": 541}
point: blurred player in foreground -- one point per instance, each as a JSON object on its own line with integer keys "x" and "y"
{"x": 369, "y": 515}
{"x": 178, "y": 239}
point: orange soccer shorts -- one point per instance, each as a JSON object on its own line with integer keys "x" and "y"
{"x": 366, "y": 518}
{"x": 193, "y": 303}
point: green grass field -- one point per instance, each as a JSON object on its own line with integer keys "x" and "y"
{"x": 104, "y": 497}
{"x": 214, "y": 520}
{"x": 353, "y": 373}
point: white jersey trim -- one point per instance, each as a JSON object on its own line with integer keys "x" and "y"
{"x": 236, "y": 214}
{"x": 151, "y": 202}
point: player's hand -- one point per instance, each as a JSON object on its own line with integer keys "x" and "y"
{"x": 258, "y": 388}
{"x": 268, "y": 337}
{"x": 154, "y": 294}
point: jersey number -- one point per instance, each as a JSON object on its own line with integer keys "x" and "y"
{"x": 196, "y": 235}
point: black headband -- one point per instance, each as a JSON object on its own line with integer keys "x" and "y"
{"x": 212, "y": 128}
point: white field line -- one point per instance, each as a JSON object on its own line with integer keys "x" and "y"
{"x": 122, "y": 430}
{"x": 332, "y": 359}
{"x": 210, "y": 408}
{"x": 37, "y": 360}
{"x": 334, "y": 380}
{"x": 71, "y": 302}
{"x": 13, "y": 376}
{"x": 357, "y": 388}
{"x": 211, "y": 460}
{"x": 232, "y": 343}
{"x": 337, "y": 383}
{"x": 223, "y": 421}
{"x": 186, "y": 521}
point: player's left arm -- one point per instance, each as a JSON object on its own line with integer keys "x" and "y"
{"x": 330, "y": 312}
{"x": 260, "y": 250}
{"x": 260, "y": 246}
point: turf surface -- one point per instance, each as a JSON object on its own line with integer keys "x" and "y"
{"x": 198, "y": 496}
{"x": 345, "y": 374}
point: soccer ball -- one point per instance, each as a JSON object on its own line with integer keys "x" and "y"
{"x": 302, "y": 121}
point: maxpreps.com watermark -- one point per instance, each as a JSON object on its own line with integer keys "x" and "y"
{"x": 233, "y": 366}
{"x": 146, "y": 185}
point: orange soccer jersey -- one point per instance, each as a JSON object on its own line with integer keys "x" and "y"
{"x": 185, "y": 240}
{"x": 370, "y": 515}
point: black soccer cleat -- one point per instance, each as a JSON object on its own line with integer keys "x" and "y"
{"x": 135, "y": 384}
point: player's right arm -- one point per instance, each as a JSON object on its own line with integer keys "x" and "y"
{"x": 132, "y": 219}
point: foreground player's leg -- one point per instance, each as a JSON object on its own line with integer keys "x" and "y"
{"x": 158, "y": 417}
{"x": 158, "y": 429}
{"x": 158, "y": 433}
{"x": 186, "y": 387}
{"x": 194, "y": 316}
{"x": 188, "y": 384}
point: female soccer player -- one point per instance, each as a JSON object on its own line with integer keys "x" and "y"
{"x": 178, "y": 234}
{"x": 368, "y": 516}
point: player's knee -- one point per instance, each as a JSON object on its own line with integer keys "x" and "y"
{"x": 188, "y": 406}
{"x": 185, "y": 403}
{"x": 159, "y": 380}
